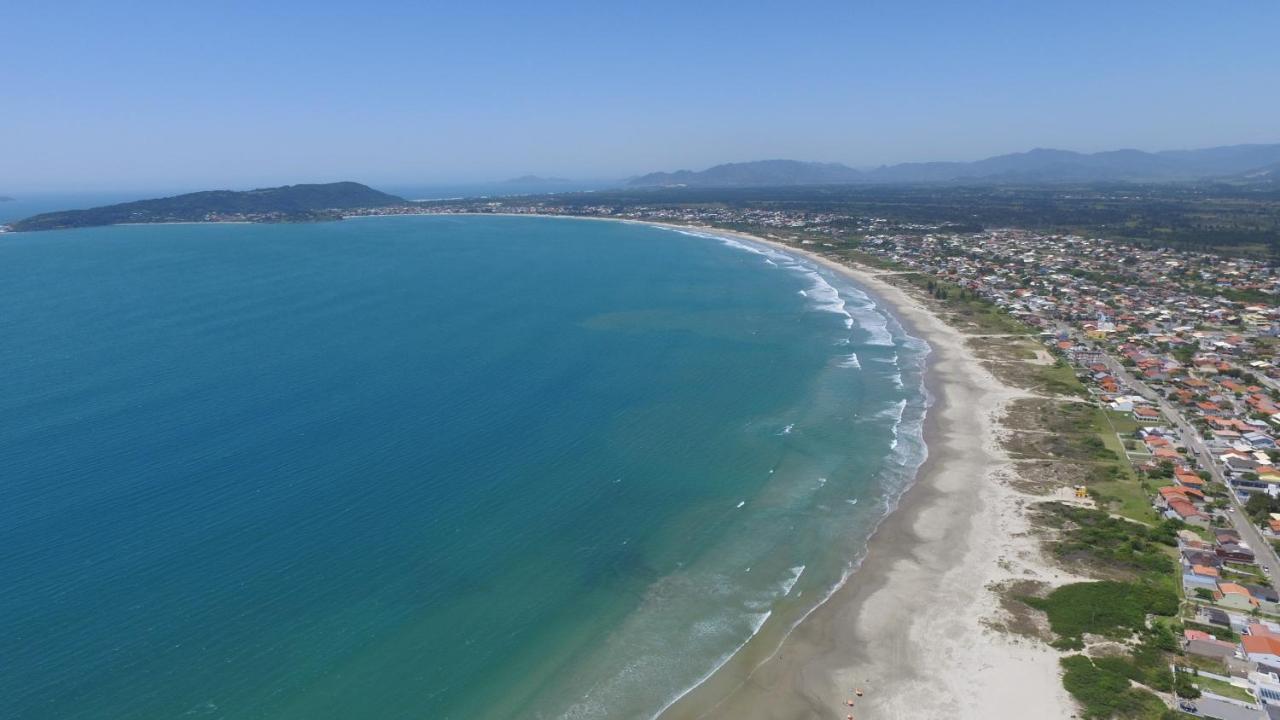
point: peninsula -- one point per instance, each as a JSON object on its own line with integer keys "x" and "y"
{"x": 290, "y": 203}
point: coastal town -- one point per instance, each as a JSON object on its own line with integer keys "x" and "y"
{"x": 1179, "y": 349}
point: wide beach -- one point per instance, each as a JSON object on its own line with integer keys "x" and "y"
{"x": 912, "y": 626}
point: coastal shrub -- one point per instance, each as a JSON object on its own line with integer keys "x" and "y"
{"x": 1105, "y": 693}
{"x": 1110, "y": 541}
{"x": 1150, "y": 661}
{"x": 1107, "y": 608}
{"x": 1163, "y": 637}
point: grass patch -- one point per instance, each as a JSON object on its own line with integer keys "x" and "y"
{"x": 1060, "y": 379}
{"x": 1113, "y": 443}
{"x": 1225, "y": 689}
{"x": 1122, "y": 494}
{"x": 1122, "y": 423}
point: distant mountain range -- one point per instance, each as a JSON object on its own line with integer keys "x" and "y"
{"x": 1035, "y": 166}
{"x": 6, "y": 198}
{"x": 291, "y": 203}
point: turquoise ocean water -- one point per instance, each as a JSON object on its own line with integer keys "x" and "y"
{"x": 425, "y": 467}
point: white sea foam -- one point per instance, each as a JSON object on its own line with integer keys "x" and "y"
{"x": 757, "y": 623}
{"x": 875, "y": 324}
{"x": 823, "y": 295}
{"x": 790, "y": 582}
{"x": 851, "y": 361}
{"x": 904, "y": 418}
{"x": 894, "y": 411}
{"x": 787, "y": 430}
{"x": 826, "y": 298}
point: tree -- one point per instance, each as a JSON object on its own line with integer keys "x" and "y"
{"x": 1183, "y": 687}
{"x": 1259, "y": 506}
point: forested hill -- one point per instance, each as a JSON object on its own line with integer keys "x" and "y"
{"x": 291, "y": 203}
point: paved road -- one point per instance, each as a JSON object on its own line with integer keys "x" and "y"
{"x": 1265, "y": 554}
{"x": 1274, "y": 385}
{"x": 1215, "y": 706}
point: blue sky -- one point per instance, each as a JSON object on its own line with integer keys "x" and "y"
{"x": 154, "y": 95}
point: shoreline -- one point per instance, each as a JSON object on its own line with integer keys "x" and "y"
{"x": 957, "y": 530}
{"x": 909, "y": 625}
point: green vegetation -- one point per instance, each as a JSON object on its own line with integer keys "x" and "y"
{"x": 1260, "y": 506}
{"x": 1184, "y": 687}
{"x": 1115, "y": 609}
{"x": 866, "y": 258}
{"x": 1104, "y": 691}
{"x": 1125, "y": 497}
{"x": 1108, "y": 608}
{"x": 1219, "y": 632}
{"x": 1110, "y": 543}
{"x": 291, "y": 203}
{"x": 981, "y": 315}
{"x": 1122, "y": 423}
{"x": 1225, "y": 689}
{"x": 1060, "y": 379}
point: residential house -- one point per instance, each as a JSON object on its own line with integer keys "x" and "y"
{"x": 1237, "y": 597}
{"x": 1198, "y": 642}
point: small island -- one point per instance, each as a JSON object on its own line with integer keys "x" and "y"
{"x": 6, "y": 198}
{"x": 290, "y": 203}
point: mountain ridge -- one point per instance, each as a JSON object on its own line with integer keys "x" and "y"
{"x": 1041, "y": 165}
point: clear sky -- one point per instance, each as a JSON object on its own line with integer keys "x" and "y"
{"x": 163, "y": 94}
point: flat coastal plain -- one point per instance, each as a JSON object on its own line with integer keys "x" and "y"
{"x": 916, "y": 626}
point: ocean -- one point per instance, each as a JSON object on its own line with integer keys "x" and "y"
{"x": 426, "y": 467}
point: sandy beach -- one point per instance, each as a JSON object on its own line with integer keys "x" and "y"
{"x": 912, "y": 626}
